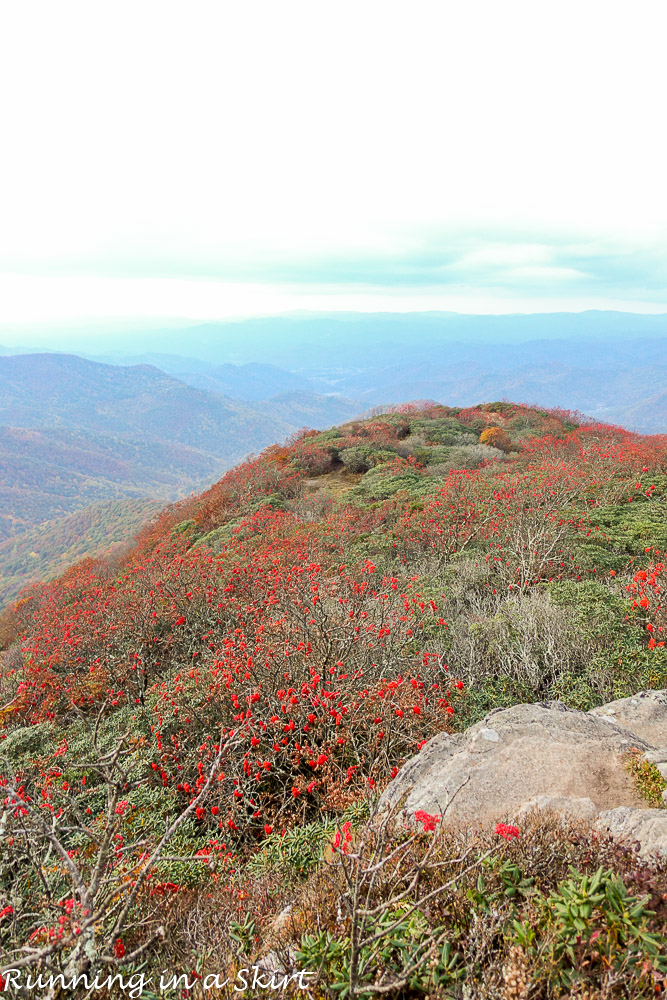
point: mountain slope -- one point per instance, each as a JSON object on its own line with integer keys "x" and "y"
{"x": 48, "y": 549}
{"x": 68, "y": 392}
{"x": 210, "y": 714}
{"x": 252, "y": 381}
{"x": 279, "y": 394}
{"x": 76, "y": 435}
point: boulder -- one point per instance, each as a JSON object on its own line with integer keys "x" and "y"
{"x": 535, "y": 756}
{"x": 646, "y": 827}
{"x": 644, "y": 714}
{"x": 569, "y": 805}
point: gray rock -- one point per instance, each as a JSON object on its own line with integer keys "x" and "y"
{"x": 648, "y": 827}
{"x": 579, "y": 808}
{"x": 544, "y": 757}
{"x": 644, "y": 714}
{"x": 537, "y": 750}
{"x": 659, "y": 758}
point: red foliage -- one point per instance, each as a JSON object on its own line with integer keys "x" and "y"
{"x": 316, "y": 671}
{"x": 647, "y": 591}
{"x": 506, "y": 831}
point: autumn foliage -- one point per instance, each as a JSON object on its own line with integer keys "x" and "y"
{"x": 496, "y": 437}
{"x": 273, "y": 650}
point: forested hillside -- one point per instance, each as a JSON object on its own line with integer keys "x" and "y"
{"x": 195, "y": 732}
{"x": 138, "y": 402}
{"x": 77, "y": 436}
{"x": 51, "y": 547}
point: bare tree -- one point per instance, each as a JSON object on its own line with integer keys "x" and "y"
{"x": 84, "y": 877}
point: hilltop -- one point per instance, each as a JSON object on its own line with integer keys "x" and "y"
{"x": 208, "y": 717}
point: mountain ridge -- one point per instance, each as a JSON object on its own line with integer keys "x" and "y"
{"x": 214, "y": 710}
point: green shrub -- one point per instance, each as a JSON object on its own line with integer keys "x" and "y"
{"x": 443, "y": 431}
{"x": 465, "y": 457}
{"x": 647, "y": 778}
{"x": 361, "y": 458}
{"x": 592, "y": 921}
{"x": 184, "y": 526}
{"x": 379, "y": 485}
{"x": 550, "y": 915}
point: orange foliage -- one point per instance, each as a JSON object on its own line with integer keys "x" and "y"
{"x": 496, "y": 437}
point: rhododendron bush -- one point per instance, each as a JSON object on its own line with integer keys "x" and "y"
{"x": 317, "y": 672}
{"x": 270, "y": 653}
{"x": 647, "y": 588}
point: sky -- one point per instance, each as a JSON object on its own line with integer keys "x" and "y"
{"x": 210, "y": 160}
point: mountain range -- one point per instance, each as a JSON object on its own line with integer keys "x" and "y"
{"x": 618, "y": 379}
{"x": 78, "y": 435}
{"x": 156, "y": 414}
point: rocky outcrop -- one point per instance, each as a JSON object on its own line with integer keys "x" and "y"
{"x": 647, "y": 827}
{"x": 542, "y": 756}
{"x": 644, "y": 714}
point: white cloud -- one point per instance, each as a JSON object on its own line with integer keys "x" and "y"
{"x": 504, "y": 255}
{"x": 144, "y": 138}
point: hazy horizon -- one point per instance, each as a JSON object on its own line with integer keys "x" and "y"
{"x": 280, "y": 338}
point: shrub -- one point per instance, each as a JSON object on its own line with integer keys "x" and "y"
{"x": 647, "y": 778}
{"x": 468, "y": 456}
{"x": 313, "y": 458}
{"x": 364, "y": 457}
{"x": 549, "y": 914}
{"x": 592, "y": 921}
{"x": 390, "y": 478}
{"x": 443, "y": 431}
{"x": 495, "y": 437}
{"x": 528, "y": 641}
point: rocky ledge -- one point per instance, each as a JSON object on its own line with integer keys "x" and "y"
{"x": 544, "y": 756}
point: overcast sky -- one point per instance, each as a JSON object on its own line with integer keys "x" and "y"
{"x": 214, "y": 159}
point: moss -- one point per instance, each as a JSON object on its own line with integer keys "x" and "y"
{"x": 647, "y": 778}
